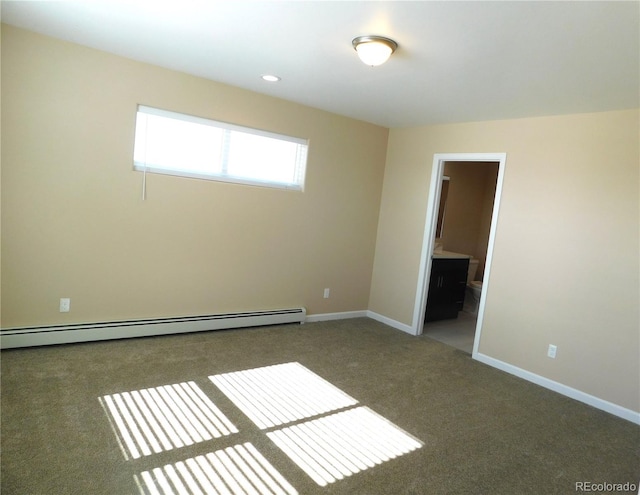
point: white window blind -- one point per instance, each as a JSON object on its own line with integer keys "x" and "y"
{"x": 177, "y": 144}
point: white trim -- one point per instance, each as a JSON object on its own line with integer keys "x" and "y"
{"x": 392, "y": 323}
{"x": 431, "y": 219}
{"x": 360, "y": 314}
{"x": 560, "y": 388}
{"x": 345, "y": 315}
{"x": 428, "y": 236}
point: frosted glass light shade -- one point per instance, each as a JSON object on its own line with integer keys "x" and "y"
{"x": 374, "y": 50}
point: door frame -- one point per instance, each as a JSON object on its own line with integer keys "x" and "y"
{"x": 431, "y": 219}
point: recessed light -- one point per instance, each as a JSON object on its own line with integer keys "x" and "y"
{"x": 270, "y": 78}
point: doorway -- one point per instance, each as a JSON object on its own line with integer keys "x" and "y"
{"x": 432, "y": 224}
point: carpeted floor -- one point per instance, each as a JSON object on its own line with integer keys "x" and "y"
{"x": 481, "y": 431}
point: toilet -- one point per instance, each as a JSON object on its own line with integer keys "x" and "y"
{"x": 474, "y": 289}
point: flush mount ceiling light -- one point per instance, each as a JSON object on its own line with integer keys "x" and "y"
{"x": 374, "y": 50}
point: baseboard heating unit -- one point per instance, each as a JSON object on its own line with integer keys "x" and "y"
{"x": 87, "y": 332}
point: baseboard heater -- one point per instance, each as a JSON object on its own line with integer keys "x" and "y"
{"x": 87, "y": 332}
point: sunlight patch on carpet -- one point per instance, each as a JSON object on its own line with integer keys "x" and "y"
{"x": 333, "y": 447}
{"x": 275, "y": 395}
{"x": 318, "y": 427}
{"x": 240, "y": 469}
{"x": 155, "y": 420}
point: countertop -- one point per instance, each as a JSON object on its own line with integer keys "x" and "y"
{"x": 450, "y": 255}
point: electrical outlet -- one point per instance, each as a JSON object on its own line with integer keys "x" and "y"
{"x": 326, "y": 293}
{"x": 65, "y": 305}
{"x": 551, "y": 352}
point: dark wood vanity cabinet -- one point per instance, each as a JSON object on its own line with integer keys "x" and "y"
{"x": 446, "y": 288}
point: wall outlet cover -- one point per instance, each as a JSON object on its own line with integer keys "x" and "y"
{"x": 65, "y": 305}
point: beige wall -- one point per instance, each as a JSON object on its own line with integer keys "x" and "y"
{"x": 74, "y": 225}
{"x": 565, "y": 265}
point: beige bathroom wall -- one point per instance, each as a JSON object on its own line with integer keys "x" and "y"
{"x": 469, "y": 206}
{"x": 74, "y": 224}
{"x": 565, "y": 267}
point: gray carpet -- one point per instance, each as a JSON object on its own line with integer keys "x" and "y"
{"x": 482, "y": 430}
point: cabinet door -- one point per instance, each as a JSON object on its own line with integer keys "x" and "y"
{"x": 447, "y": 288}
{"x": 456, "y": 281}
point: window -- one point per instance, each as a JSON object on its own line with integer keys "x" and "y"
{"x": 177, "y": 144}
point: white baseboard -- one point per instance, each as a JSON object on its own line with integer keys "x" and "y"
{"x": 345, "y": 315}
{"x": 392, "y": 323}
{"x": 360, "y": 314}
{"x": 565, "y": 390}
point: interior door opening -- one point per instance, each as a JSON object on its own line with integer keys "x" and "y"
{"x": 458, "y": 242}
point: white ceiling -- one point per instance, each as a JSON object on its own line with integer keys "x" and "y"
{"x": 456, "y": 61}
